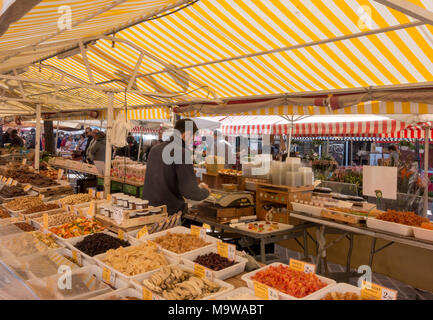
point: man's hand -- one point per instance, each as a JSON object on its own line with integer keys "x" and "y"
{"x": 204, "y": 186}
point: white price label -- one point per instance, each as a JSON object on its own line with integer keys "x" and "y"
{"x": 273, "y": 294}
{"x": 388, "y": 294}
{"x": 118, "y": 215}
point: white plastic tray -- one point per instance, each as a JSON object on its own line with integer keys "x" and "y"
{"x": 340, "y": 287}
{"x": 283, "y": 296}
{"x": 70, "y": 243}
{"x": 99, "y": 261}
{"x": 423, "y": 234}
{"x": 313, "y": 210}
{"x": 183, "y": 230}
{"x": 97, "y": 287}
{"x": 242, "y": 290}
{"x": 136, "y": 282}
{"x": 281, "y": 226}
{"x": 393, "y": 227}
{"x": 126, "y": 292}
{"x": 237, "y": 268}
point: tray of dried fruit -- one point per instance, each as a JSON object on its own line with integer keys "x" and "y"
{"x": 16, "y": 206}
{"x": 221, "y": 267}
{"x": 30, "y": 193}
{"x": 93, "y": 244}
{"x": 186, "y": 285}
{"x": 264, "y": 227}
{"x": 340, "y": 291}
{"x": 399, "y": 222}
{"x": 178, "y": 241}
{"x": 424, "y": 232}
{"x": 133, "y": 261}
{"x": 301, "y": 287}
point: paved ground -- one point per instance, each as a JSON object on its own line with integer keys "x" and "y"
{"x": 405, "y": 292}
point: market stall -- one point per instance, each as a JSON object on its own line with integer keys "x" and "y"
{"x": 201, "y": 58}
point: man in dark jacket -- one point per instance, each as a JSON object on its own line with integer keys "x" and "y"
{"x": 170, "y": 173}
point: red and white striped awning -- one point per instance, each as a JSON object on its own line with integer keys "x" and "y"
{"x": 381, "y": 128}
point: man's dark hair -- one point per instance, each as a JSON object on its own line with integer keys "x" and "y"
{"x": 130, "y": 139}
{"x": 183, "y": 123}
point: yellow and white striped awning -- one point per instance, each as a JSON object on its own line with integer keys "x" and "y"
{"x": 243, "y": 48}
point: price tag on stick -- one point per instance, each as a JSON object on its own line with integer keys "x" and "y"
{"x": 198, "y": 232}
{"x": 14, "y": 182}
{"x": 372, "y": 291}
{"x": 203, "y": 272}
{"x": 108, "y": 276}
{"x": 121, "y": 234}
{"x": 142, "y": 232}
{"x": 45, "y": 220}
{"x": 76, "y": 256}
{"x": 264, "y": 292}
{"x": 226, "y": 250}
{"x": 302, "y": 266}
{"x": 60, "y": 174}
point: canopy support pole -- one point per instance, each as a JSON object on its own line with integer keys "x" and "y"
{"x": 139, "y": 147}
{"x": 290, "y": 139}
{"x": 57, "y": 134}
{"x": 107, "y": 171}
{"x": 426, "y": 156}
{"x": 38, "y": 136}
{"x": 410, "y": 9}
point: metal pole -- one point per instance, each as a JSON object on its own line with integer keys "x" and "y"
{"x": 426, "y": 156}
{"x": 139, "y": 146}
{"x": 57, "y": 135}
{"x": 107, "y": 171}
{"x": 289, "y": 140}
{"x": 38, "y": 136}
{"x": 351, "y": 152}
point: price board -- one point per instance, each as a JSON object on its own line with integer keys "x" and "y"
{"x": 142, "y": 232}
{"x": 41, "y": 196}
{"x": 109, "y": 197}
{"x": 226, "y": 250}
{"x": 108, "y": 276}
{"x": 264, "y": 292}
{"x": 9, "y": 181}
{"x": 372, "y": 291}
{"x": 100, "y": 195}
{"x": 27, "y": 187}
{"x": 206, "y": 226}
{"x": 24, "y": 161}
{"x": 302, "y": 266}
{"x": 14, "y": 183}
{"x": 198, "y": 232}
{"x": 203, "y": 272}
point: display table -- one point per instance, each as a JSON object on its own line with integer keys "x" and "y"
{"x": 273, "y": 237}
{"x": 329, "y": 226}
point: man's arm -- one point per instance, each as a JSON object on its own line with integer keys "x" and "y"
{"x": 187, "y": 183}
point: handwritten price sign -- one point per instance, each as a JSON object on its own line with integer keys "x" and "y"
{"x": 373, "y": 291}
{"x": 302, "y": 266}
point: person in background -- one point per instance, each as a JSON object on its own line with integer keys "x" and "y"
{"x": 59, "y": 140}
{"x": 89, "y": 135}
{"x": 152, "y": 144}
{"x": 7, "y": 136}
{"x": 96, "y": 151}
{"x": 31, "y": 139}
{"x": 81, "y": 145}
{"x": 170, "y": 184}
{"x": 393, "y": 155}
{"x": 15, "y": 139}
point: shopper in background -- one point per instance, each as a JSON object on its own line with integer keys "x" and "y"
{"x": 393, "y": 155}
{"x": 89, "y": 135}
{"x": 96, "y": 151}
{"x": 31, "y": 139}
{"x": 7, "y": 136}
{"x": 15, "y": 139}
{"x": 152, "y": 144}
{"x": 169, "y": 184}
{"x": 59, "y": 140}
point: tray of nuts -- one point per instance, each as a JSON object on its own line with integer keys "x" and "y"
{"x": 17, "y": 205}
{"x": 55, "y": 219}
{"x": 75, "y": 199}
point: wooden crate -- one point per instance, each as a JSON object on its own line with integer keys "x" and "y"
{"x": 212, "y": 180}
{"x": 280, "y": 196}
{"x": 224, "y": 214}
{"x": 132, "y": 223}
